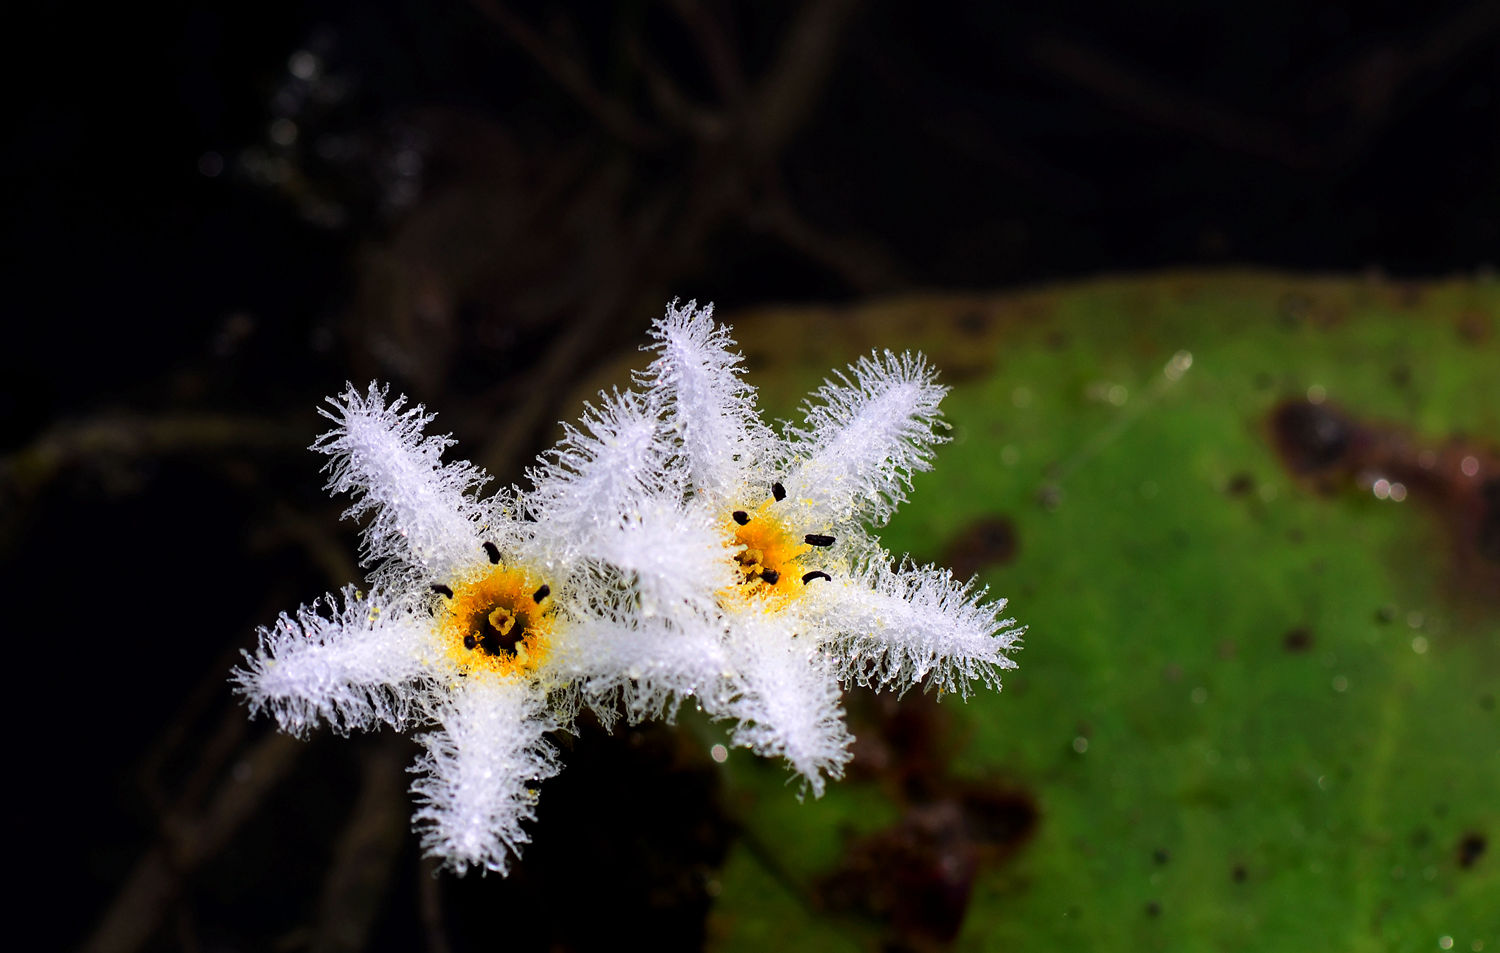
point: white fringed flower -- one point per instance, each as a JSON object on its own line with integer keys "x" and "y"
{"x": 816, "y": 602}
{"x": 492, "y": 619}
{"x": 671, "y": 547}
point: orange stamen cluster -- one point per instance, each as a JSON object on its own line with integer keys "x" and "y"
{"x": 766, "y": 556}
{"x": 499, "y": 622}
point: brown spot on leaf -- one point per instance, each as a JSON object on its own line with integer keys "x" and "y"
{"x": 1474, "y": 327}
{"x": 915, "y": 876}
{"x": 1240, "y": 484}
{"x": 1457, "y": 480}
{"x": 988, "y": 541}
{"x": 1470, "y": 848}
{"x": 1487, "y": 536}
{"x": 1299, "y": 639}
{"x": 972, "y": 322}
{"x": 1312, "y": 438}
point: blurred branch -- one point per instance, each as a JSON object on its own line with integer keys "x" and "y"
{"x": 364, "y": 858}
{"x": 1370, "y": 85}
{"x": 545, "y": 387}
{"x": 702, "y": 123}
{"x": 862, "y": 266}
{"x": 430, "y": 907}
{"x": 189, "y": 836}
{"x": 324, "y": 547}
{"x": 785, "y": 96}
{"x": 717, "y": 52}
{"x": 1371, "y": 82}
{"x": 1160, "y": 104}
{"x": 571, "y": 75}
{"x": 120, "y": 437}
{"x": 154, "y": 884}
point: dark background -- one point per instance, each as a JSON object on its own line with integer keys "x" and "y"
{"x": 217, "y": 215}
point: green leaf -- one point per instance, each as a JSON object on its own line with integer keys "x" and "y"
{"x": 1256, "y": 710}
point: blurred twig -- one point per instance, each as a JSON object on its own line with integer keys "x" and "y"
{"x": 364, "y": 858}
{"x": 1370, "y": 86}
{"x": 430, "y": 907}
{"x": 571, "y": 75}
{"x": 117, "y": 439}
{"x": 153, "y": 885}
{"x": 784, "y": 97}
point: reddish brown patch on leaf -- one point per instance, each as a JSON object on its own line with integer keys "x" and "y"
{"x": 1471, "y": 848}
{"x": 1299, "y": 639}
{"x": 1474, "y": 327}
{"x": 1457, "y": 480}
{"x": 915, "y": 877}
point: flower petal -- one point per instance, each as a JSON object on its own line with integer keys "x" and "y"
{"x": 357, "y": 666}
{"x": 892, "y": 628}
{"x": 676, "y": 554}
{"x": 649, "y": 665}
{"x": 597, "y": 474}
{"x": 473, "y": 789}
{"x": 853, "y": 457}
{"x": 790, "y": 703}
{"x": 708, "y": 405}
{"x": 424, "y": 518}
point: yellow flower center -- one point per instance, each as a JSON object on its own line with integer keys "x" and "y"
{"x": 499, "y": 622}
{"x": 766, "y": 556}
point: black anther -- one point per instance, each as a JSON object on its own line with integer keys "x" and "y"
{"x": 740, "y": 517}
{"x": 770, "y": 576}
{"x": 541, "y": 594}
{"x": 813, "y": 539}
{"x": 442, "y": 590}
{"x": 816, "y": 574}
{"x": 492, "y": 551}
{"x": 778, "y": 491}
{"x": 469, "y": 641}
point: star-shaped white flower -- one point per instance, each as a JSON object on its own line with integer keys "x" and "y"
{"x": 817, "y": 602}
{"x": 494, "y": 619}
